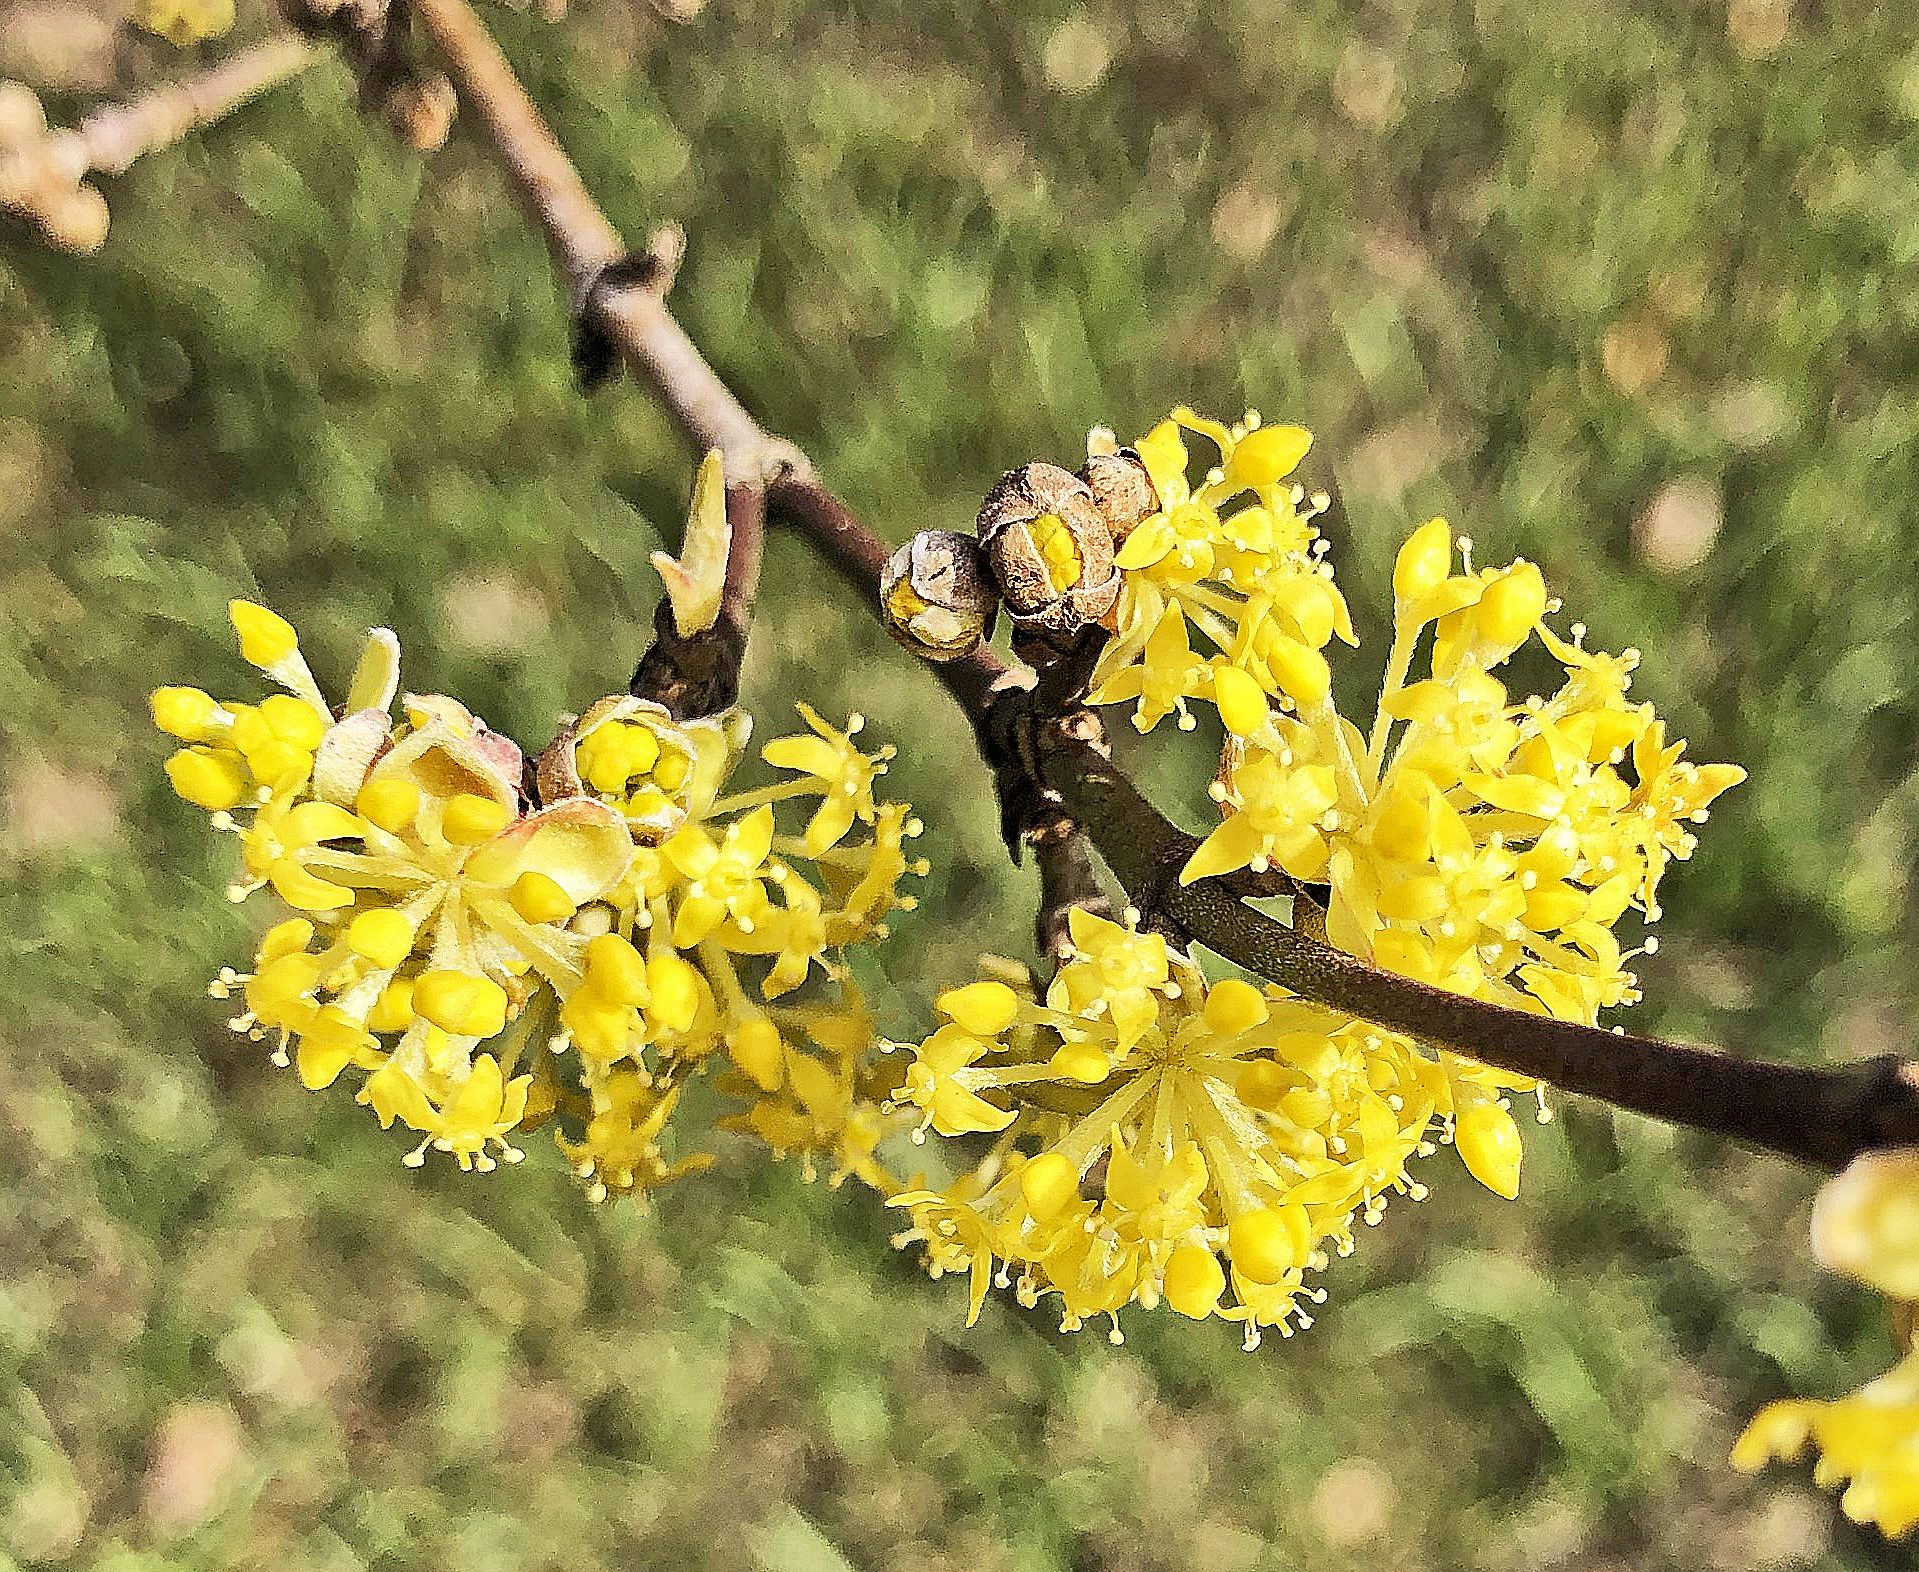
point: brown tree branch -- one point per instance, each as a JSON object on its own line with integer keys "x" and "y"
{"x": 42, "y": 171}
{"x": 1053, "y": 771}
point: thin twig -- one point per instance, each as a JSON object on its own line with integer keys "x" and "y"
{"x": 42, "y": 171}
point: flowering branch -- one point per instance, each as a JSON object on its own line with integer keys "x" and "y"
{"x": 43, "y": 172}
{"x": 1824, "y": 1116}
{"x": 1054, "y": 768}
{"x": 1053, "y": 771}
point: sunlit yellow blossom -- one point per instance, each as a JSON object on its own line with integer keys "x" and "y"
{"x": 1248, "y": 582}
{"x": 488, "y": 960}
{"x": 1483, "y": 845}
{"x": 1151, "y": 1138}
{"x": 1230, "y": 1125}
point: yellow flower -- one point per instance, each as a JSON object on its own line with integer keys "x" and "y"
{"x": 1868, "y": 1442}
{"x": 1156, "y": 1138}
{"x": 842, "y": 774}
{"x": 472, "y": 953}
{"x": 1482, "y": 845}
{"x": 1865, "y": 1224}
{"x": 1248, "y": 582}
{"x": 1226, "y": 1125}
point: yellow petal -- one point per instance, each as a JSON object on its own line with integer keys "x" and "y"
{"x": 1268, "y": 454}
{"x": 1241, "y": 700}
{"x": 983, "y": 1008}
{"x": 1488, "y": 1142}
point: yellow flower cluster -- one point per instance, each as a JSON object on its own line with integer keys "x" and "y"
{"x": 183, "y": 22}
{"x": 1160, "y": 1139}
{"x": 1866, "y": 1224}
{"x": 1486, "y": 846}
{"x": 493, "y": 945}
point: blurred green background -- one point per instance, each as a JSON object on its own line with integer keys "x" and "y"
{"x": 1629, "y": 288}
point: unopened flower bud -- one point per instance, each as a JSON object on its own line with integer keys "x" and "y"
{"x": 1122, "y": 489}
{"x": 1050, "y": 550}
{"x": 936, "y": 596}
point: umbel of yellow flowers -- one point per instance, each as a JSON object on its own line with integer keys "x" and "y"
{"x": 488, "y": 947}
{"x": 1154, "y": 1138}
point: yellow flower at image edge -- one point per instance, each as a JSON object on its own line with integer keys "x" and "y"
{"x": 1868, "y": 1442}
{"x": 489, "y": 962}
{"x": 183, "y": 22}
{"x": 1865, "y": 1223}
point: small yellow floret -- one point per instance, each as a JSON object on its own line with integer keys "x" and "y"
{"x": 1268, "y": 1243}
{"x": 983, "y": 1008}
{"x": 266, "y": 638}
{"x": 1489, "y": 1144}
{"x": 470, "y": 819}
{"x": 1234, "y": 1006}
{"x": 671, "y": 770}
{"x": 758, "y": 1049}
{"x": 1241, "y": 700}
{"x": 1048, "y": 1183}
{"x": 186, "y": 713}
{"x": 1194, "y": 1281}
{"x": 1301, "y": 671}
{"x": 539, "y": 899}
{"x": 381, "y": 936}
{"x": 213, "y": 781}
{"x": 615, "y": 970}
{"x": 675, "y": 990}
{"x": 1054, "y": 543}
{"x": 1269, "y": 453}
{"x": 461, "y": 1004}
{"x": 1423, "y": 562}
{"x": 1512, "y": 605}
{"x": 388, "y": 804}
{"x": 293, "y": 721}
{"x": 1082, "y": 1062}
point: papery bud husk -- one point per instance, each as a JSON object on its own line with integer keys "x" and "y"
{"x": 712, "y": 746}
{"x": 1014, "y": 530}
{"x": 936, "y": 595}
{"x": 1122, "y": 489}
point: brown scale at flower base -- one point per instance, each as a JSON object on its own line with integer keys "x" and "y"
{"x": 488, "y": 964}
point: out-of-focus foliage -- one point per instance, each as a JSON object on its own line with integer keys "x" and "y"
{"x": 1628, "y": 287}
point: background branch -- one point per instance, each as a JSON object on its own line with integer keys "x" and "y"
{"x": 42, "y": 171}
